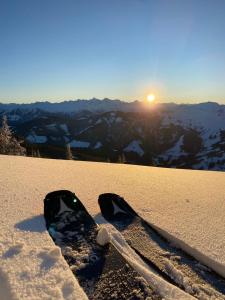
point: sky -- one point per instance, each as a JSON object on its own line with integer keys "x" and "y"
{"x": 122, "y": 49}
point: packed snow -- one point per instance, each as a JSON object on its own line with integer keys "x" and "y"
{"x": 107, "y": 233}
{"x": 190, "y": 215}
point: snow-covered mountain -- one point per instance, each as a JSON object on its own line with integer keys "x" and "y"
{"x": 93, "y": 105}
{"x": 171, "y": 135}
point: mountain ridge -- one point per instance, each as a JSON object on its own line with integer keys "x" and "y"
{"x": 169, "y": 135}
{"x": 103, "y": 105}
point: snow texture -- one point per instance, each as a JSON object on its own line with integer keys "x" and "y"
{"x": 164, "y": 289}
{"x": 32, "y": 267}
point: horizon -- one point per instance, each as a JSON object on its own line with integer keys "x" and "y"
{"x": 104, "y": 99}
{"x": 124, "y": 49}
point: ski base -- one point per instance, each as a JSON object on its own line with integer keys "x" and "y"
{"x": 102, "y": 271}
{"x": 169, "y": 262}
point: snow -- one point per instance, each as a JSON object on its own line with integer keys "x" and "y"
{"x": 95, "y": 105}
{"x": 208, "y": 115}
{"x": 85, "y": 129}
{"x": 134, "y": 146}
{"x": 103, "y": 237}
{"x": 175, "y": 151}
{"x": 36, "y": 139}
{"x": 118, "y": 120}
{"x": 98, "y": 145}
{"x": 66, "y": 139}
{"x": 79, "y": 144}
{"x": 14, "y": 117}
{"x": 190, "y": 215}
{"x": 99, "y": 121}
{"x": 36, "y": 271}
{"x": 64, "y": 127}
{"x": 51, "y": 127}
{"x": 55, "y": 138}
{"x": 167, "y": 291}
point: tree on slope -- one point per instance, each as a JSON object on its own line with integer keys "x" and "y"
{"x": 8, "y": 143}
{"x": 69, "y": 154}
{"x": 121, "y": 158}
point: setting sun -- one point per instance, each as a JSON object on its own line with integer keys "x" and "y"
{"x": 151, "y": 97}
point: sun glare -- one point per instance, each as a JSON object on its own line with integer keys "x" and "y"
{"x": 151, "y": 98}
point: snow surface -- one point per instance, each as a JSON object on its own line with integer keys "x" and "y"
{"x": 134, "y": 146}
{"x": 208, "y": 115}
{"x": 14, "y": 117}
{"x": 103, "y": 237}
{"x": 52, "y": 126}
{"x": 107, "y": 233}
{"x": 64, "y": 127}
{"x": 99, "y": 121}
{"x": 98, "y": 145}
{"x": 79, "y": 144}
{"x": 189, "y": 214}
{"x": 175, "y": 151}
{"x": 39, "y": 139}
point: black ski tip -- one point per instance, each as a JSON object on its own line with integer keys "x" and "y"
{"x": 52, "y": 204}
{"x": 114, "y": 207}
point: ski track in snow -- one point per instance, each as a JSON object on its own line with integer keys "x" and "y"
{"x": 188, "y": 206}
{"x": 166, "y": 290}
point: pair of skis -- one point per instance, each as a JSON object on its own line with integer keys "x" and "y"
{"x": 102, "y": 271}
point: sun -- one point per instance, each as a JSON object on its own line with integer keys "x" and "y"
{"x": 151, "y": 98}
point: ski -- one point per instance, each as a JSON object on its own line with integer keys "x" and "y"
{"x": 102, "y": 271}
{"x": 168, "y": 261}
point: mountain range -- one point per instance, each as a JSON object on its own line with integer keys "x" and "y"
{"x": 169, "y": 135}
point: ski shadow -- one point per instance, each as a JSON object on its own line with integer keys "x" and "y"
{"x": 34, "y": 224}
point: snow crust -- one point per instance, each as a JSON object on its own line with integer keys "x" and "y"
{"x": 32, "y": 267}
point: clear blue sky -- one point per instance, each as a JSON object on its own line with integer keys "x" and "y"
{"x": 69, "y": 49}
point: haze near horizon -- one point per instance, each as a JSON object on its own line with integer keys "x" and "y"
{"x": 123, "y": 50}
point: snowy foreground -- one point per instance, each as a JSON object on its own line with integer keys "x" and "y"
{"x": 185, "y": 206}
